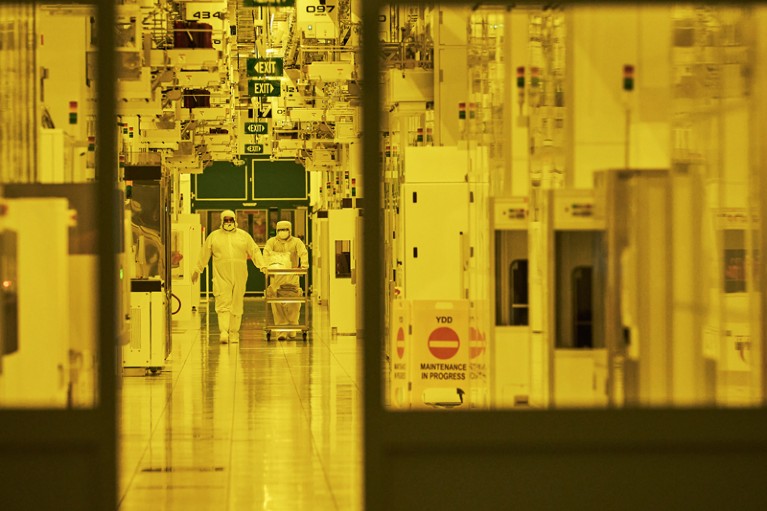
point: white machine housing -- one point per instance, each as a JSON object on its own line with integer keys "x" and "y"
{"x": 511, "y": 386}
{"x": 434, "y": 214}
{"x": 147, "y": 347}
{"x": 187, "y": 236}
{"x": 37, "y": 373}
{"x": 578, "y": 373}
{"x": 341, "y": 252}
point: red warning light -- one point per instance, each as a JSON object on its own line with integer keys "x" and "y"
{"x": 628, "y": 77}
{"x": 521, "y": 77}
{"x": 73, "y": 112}
{"x": 535, "y": 76}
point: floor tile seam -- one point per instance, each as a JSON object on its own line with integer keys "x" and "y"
{"x": 315, "y": 444}
{"x": 325, "y": 472}
{"x": 355, "y": 383}
{"x": 156, "y": 425}
{"x": 231, "y": 432}
{"x": 185, "y": 359}
{"x": 228, "y": 439}
{"x": 354, "y": 380}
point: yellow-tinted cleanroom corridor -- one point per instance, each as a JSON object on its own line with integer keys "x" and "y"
{"x": 246, "y": 426}
{"x": 380, "y": 255}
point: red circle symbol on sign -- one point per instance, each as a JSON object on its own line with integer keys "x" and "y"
{"x": 400, "y": 342}
{"x": 476, "y": 342}
{"x": 444, "y": 343}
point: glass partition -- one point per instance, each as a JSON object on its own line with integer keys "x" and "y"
{"x": 570, "y": 222}
{"x": 210, "y": 219}
{"x": 65, "y": 266}
{"x": 253, "y": 222}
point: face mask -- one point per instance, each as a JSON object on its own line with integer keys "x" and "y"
{"x": 283, "y": 235}
{"x": 229, "y": 226}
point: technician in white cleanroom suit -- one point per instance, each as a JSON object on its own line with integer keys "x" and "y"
{"x": 230, "y": 248}
{"x": 286, "y": 285}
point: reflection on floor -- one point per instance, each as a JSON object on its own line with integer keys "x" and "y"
{"x": 254, "y": 425}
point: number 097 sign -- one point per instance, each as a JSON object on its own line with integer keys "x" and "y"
{"x": 308, "y": 9}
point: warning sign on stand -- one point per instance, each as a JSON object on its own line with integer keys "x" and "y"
{"x": 444, "y": 343}
{"x": 400, "y": 342}
{"x": 478, "y": 368}
{"x": 439, "y": 364}
{"x": 477, "y": 343}
{"x": 399, "y": 354}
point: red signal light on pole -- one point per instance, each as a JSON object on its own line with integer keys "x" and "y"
{"x": 472, "y": 110}
{"x": 628, "y": 77}
{"x": 73, "y": 112}
{"x": 535, "y": 76}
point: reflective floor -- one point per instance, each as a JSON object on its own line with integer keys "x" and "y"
{"x": 254, "y": 425}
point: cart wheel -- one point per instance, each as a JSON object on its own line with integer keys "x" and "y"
{"x": 268, "y": 336}
{"x": 305, "y": 335}
{"x": 154, "y": 370}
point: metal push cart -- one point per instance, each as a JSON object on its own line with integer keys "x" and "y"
{"x": 298, "y": 298}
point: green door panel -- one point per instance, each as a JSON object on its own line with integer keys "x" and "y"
{"x": 261, "y": 193}
{"x": 222, "y": 181}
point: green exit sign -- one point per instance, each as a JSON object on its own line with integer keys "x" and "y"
{"x": 265, "y": 67}
{"x": 254, "y": 148}
{"x": 277, "y": 3}
{"x": 264, "y": 88}
{"x": 256, "y": 128}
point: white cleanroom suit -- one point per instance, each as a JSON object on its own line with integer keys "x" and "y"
{"x": 285, "y": 285}
{"x": 231, "y": 248}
